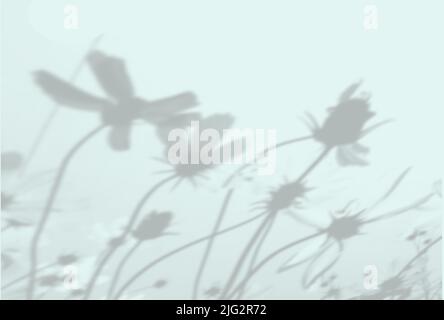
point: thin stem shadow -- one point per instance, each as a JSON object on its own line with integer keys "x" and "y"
{"x": 46, "y": 124}
{"x": 49, "y": 205}
{"x": 152, "y": 264}
{"x": 120, "y": 267}
{"x": 210, "y": 244}
{"x": 132, "y": 220}
{"x": 264, "y": 228}
{"x": 277, "y": 146}
{"x": 324, "y": 231}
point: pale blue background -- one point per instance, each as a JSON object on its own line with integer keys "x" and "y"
{"x": 266, "y": 62}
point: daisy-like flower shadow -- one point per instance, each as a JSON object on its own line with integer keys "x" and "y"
{"x": 285, "y": 198}
{"x": 344, "y": 127}
{"x": 344, "y": 225}
{"x": 186, "y": 169}
{"x": 178, "y": 173}
{"x": 122, "y": 106}
{"x": 118, "y": 111}
{"x": 153, "y": 226}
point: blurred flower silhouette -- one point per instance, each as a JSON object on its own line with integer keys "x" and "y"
{"x": 61, "y": 261}
{"x": 417, "y": 235}
{"x": 67, "y": 259}
{"x": 394, "y": 288}
{"x": 343, "y": 226}
{"x": 7, "y": 200}
{"x": 332, "y": 291}
{"x": 325, "y": 256}
{"x": 118, "y": 111}
{"x": 405, "y": 283}
{"x": 153, "y": 226}
{"x": 159, "y": 284}
{"x": 179, "y": 172}
{"x": 286, "y": 196}
{"x": 76, "y": 293}
{"x": 116, "y": 242}
{"x": 190, "y": 171}
{"x": 289, "y": 195}
{"x": 51, "y": 280}
{"x": 212, "y": 292}
{"x": 11, "y": 161}
{"x": 10, "y": 223}
{"x": 345, "y": 121}
{"x": 121, "y": 107}
{"x": 344, "y": 127}
{"x": 7, "y": 261}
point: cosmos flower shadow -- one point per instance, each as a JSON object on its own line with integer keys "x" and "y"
{"x": 122, "y": 106}
{"x": 180, "y": 172}
{"x": 343, "y": 226}
{"x": 153, "y": 226}
{"x": 118, "y": 111}
{"x": 342, "y": 130}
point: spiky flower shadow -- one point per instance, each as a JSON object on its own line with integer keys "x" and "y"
{"x": 344, "y": 225}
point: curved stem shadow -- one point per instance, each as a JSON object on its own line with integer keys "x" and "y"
{"x": 264, "y": 261}
{"x": 48, "y": 207}
{"x": 46, "y": 124}
{"x": 119, "y": 269}
{"x": 277, "y": 146}
{"x": 261, "y": 264}
{"x": 125, "y": 232}
{"x": 152, "y": 264}
{"x": 210, "y": 244}
{"x": 264, "y": 228}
